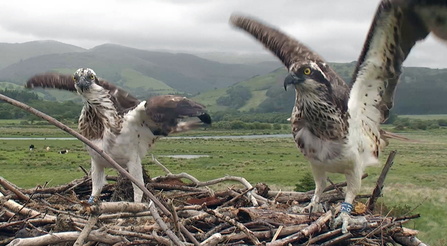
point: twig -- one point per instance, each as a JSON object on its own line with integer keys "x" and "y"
{"x": 379, "y": 186}
{"x": 253, "y": 197}
{"x": 411, "y": 211}
{"x": 237, "y": 197}
{"x": 277, "y": 233}
{"x": 160, "y": 165}
{"x": 335, "y": 186}
{"x": 65, "y": 128}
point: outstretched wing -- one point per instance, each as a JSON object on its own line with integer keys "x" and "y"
{"x": 417, "y": 19}
{"x": 376, "y": 77}
{"x": 166, "y": 111}
{"x": 291, "y": 52}
{"x": 420, "y": 18}
{"x": 52, "y": 80}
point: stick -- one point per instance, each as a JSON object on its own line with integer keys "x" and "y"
{"x": 65, "y": 128}
{"x": 8, "y": 186}
{"x": 61, "y": 237}
{"x": 379, "y": 186}
{"x": 238, "y": 225}
{"x": 253, "y": 197}
{"x": 236, "y": 197}
{"x": 312, "y": 228}
{"x": 160, "y": 240}
{"x": 15, "y": 207}
{"x": 86, "y": 231}
{"x": 409, "y": 241}
{"x": 160, "y": 165}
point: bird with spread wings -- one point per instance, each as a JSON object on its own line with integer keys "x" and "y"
{"x": 121, "y": 125}
{"x": 337, "y": 126}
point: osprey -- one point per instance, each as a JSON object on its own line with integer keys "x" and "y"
{"x": 121, "y": 125}
{"x": 336, "y": 126}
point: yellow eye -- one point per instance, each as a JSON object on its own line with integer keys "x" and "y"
{"x": 74, "y": 79}
{"x": 92, "y": 77}
{"x": 306, "y": 71}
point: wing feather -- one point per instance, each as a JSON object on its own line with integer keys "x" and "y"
{"x": 287, "y": 49}
{"x": 166, "y": 111}
{"x": 122, "y": 99}
{"x": 376, "y": 77}
{"x": 290, "y": 51}
{"x": 52, "y": 80}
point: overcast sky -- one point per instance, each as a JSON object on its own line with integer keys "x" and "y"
{"x": 334, "y": 28}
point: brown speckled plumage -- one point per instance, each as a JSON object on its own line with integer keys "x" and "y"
{"x": 121, "y": 125}
{"x": 335, "y": 126}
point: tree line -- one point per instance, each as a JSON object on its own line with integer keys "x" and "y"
{"x": 60, "y": 110}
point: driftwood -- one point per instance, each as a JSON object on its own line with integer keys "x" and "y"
{"x": 197, "y": 214}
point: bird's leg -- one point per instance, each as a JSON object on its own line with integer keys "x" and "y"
{"x": 354, "y": 181}
{"x": 320, "y": 184}
{"x": 136, "y": 171}
{"x": 98, "y": 181}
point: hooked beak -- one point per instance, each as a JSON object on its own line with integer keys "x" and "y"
{"x": 292, "y": 80}
{"x": 82, "y": 84}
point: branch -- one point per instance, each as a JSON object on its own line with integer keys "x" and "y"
{"x": 312, "y": 228}
{"x": 8, "y": 186}
{"x": 253, "y": 197}
{"x": 86, "y": 231}
{"x": 16, "y": 207}
{"x": 379, "y": 186}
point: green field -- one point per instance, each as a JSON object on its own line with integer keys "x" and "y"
{"x": 420, "y": 169}
{"x": 426, "y": 117}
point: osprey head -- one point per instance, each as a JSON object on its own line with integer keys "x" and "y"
{"x": 84, "y": 78}
{"x": 307, "y": 76}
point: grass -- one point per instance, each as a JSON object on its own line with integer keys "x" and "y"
{"x": 419, "y": 172}
{"x": 426, "y": 117}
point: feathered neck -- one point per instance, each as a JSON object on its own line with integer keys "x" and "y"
{"x": 99, "y": 114}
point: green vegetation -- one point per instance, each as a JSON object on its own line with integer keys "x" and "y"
{"x": 419, "y": 171}
{"x": 236, "y": 97}
{"x": 421, "y": 91}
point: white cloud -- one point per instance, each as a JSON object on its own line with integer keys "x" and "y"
{"x": 335, "y": 29}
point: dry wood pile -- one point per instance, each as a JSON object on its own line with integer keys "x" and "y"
{"x": 239, "y": 214}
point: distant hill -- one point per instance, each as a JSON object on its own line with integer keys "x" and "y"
{"x": 421, "y": 91}
{"x": 13, "y": 53}
{"x": 154, "y": 72}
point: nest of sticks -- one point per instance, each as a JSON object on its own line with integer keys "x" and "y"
{"x": 185, "y": 213}
{"x": 238, "y": 214}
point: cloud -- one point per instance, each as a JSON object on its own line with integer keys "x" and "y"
{"x": 335, "y": 29}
